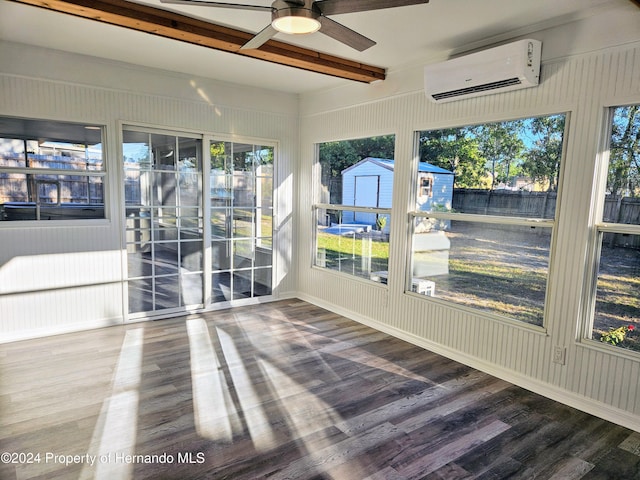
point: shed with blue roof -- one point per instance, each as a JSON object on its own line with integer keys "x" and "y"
{"x": 369, "y": 183}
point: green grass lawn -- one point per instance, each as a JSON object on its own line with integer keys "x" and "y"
{"x": 347, "y": 245}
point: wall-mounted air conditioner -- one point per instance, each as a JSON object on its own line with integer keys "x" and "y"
{"x": 508, "y": 67}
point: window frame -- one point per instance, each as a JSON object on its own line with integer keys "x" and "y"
{"x": 316, "y": 207}
{"x": 549, "y": 223}
{"x": 598, "y": 229}
{"x": 425, "y": 185}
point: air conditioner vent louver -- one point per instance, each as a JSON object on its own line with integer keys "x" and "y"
{"x": 508, "y": 67}
{"x": 477, "y": 88}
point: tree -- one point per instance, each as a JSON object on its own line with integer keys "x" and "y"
{"x": 542, "y": 159}
{"x": 457, "y": 150}
{"x": 502, "y": 146}
{"x": 624, "y": 152}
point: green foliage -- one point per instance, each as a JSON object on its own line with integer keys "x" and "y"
{"x": 624, "y": 152}
{"x": 457, "y": 150}
{"x": 501, "y": 145}
{"x": 336, "y": 156}
{"x": 219, "y": 160}
{"x": 616, "y": 335}
{"x": 542, "y": 160}
{"x": 485, "y": 156}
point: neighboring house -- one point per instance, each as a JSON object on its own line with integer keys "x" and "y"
{"x": 369, "y": 183}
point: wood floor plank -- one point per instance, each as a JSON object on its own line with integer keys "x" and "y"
{"x": 452, "y": 451}
{"x": 631, "y": 443}
{"x": 307, "y": 394}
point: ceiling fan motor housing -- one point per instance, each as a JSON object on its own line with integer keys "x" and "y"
{"x": 303, "y": 15}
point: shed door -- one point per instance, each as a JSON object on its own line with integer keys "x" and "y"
{"x": 367, "y": 192}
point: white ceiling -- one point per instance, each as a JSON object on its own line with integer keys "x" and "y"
{"x": 405, "y": 36}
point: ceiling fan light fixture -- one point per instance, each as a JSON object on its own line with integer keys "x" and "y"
{"x": 295, "y": 21}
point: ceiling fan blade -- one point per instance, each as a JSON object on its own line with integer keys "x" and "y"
{"x": 206, "y": 3}
{"x": 343, "y": 34}
{"x": 334, "y": 7}
{"x": 260, "y": 38}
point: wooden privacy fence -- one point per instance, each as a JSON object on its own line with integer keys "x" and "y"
{"x": 504, "y": 202}
{"x": 625, "y": 210}
{"x": 617, "y": 209}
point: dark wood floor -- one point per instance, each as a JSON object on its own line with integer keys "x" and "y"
{"x": 281, "y": 391}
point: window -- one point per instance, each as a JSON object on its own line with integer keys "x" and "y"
{"x": 616, "y": 316}
{"x": 426, "y": 182}
{"x": 50, "y": 170}
{"x": 482, "y": 235}
{"x": 352, "y": 220}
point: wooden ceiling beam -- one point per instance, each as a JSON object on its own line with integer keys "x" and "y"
{"x": 156, "y": 21}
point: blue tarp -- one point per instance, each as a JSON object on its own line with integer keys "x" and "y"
{"x": 346, "y": 229}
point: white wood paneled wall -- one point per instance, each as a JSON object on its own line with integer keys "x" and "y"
{"x": 56, "y": 278}
{"x": 595, "y": 378}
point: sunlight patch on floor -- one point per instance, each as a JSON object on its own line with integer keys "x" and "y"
{"x": 363, "y": 357}
{"x": 305, "y": 412}
{"x": 215, "y": 415}
{"x": 262, "y": 434}
{"x": 114, "y": 435}
{"x": 307, "y": 416}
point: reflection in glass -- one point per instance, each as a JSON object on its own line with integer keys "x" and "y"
{"x": 166, "y": 293}
{"x": 243, "y": 253}
{"x": 262, "y": 278}
{"x": 140, "y": 295}
{"x": 220, "y": 287}
{"x": 191, "y": 256}
{"x": 244, "y": 222}
{"x": 50, "y": 170}
{"x": 242, "y": 284}
{"x": 221, "y": 254}
{"x": 191, "y": 289}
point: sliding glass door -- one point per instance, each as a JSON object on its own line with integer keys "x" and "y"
{"x": 167, "y": 237}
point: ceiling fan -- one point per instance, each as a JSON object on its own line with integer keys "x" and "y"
{"x": 308, "y": 16}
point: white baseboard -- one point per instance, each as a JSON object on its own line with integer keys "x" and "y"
{"x": 7, "y": 337}
{"x": 566, "y": 397}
